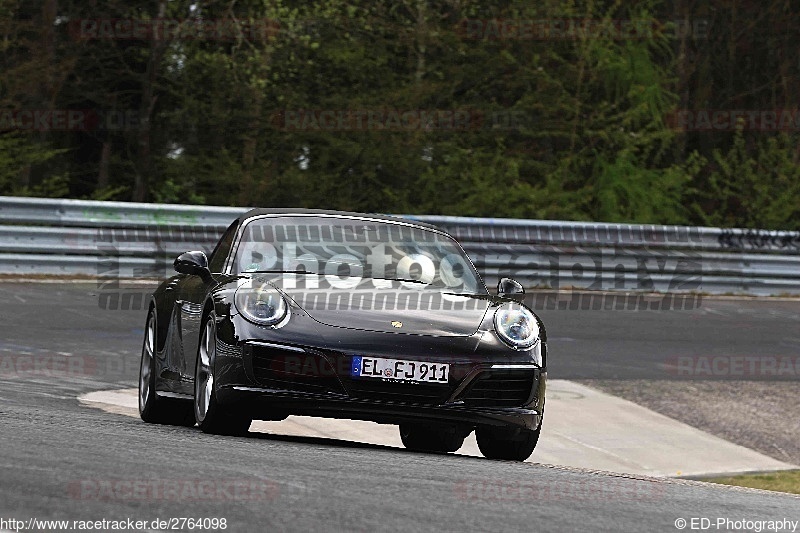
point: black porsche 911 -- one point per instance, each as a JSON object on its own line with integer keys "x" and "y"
{"x": 344, "y": 315}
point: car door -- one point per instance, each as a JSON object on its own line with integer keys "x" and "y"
{"x": 168, "y": 361}
{"x": 193, "y": 291}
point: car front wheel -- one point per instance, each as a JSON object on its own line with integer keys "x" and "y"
{"x": 210, "y": 415}
{"x": 507, "y": 444}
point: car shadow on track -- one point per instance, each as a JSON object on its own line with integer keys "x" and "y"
{"x": 339, "y": 443}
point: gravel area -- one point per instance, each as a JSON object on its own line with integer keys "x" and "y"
{"x": 759, "y": 415}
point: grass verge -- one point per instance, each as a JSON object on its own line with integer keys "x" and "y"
{"x": 783, "y": 481}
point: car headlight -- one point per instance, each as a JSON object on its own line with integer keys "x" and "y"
{"x": 516, "y": 325}
{"x": 262, "y": 304}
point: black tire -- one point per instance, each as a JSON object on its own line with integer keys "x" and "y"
{"x": 152, "y": 409}
{"x": 209, "y": 414}
{"x": 508, "y": 445}
{"x": 423, "y": 438}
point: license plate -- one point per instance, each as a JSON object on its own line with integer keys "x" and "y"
{"x": 399, "y": 370}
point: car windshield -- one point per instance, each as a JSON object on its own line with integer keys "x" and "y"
{"x": 343, "y": 249}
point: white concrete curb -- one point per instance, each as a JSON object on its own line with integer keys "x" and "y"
{"x": 583, "y": 428}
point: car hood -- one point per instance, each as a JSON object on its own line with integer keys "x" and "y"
{"x": 393, "y": 307}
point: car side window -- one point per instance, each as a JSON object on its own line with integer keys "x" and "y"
{"x": 220, "y": 253}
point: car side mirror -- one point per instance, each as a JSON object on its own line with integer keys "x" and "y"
{"x": 193, "y": 263}
{"x": 509, "y": 288}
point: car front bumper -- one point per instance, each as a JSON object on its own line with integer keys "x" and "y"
{"x": 265, "y": 404}
{"x": 270, "y": 379}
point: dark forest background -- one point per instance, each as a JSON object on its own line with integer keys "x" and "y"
{"x": 574, "y": 110}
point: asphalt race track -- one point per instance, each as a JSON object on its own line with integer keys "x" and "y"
{"x": 61, "y": 460}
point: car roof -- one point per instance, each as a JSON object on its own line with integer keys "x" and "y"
{"x": 327, "y": 212}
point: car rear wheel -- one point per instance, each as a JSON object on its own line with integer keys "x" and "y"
{"x": 153, "y": 409}
{"x": 424, "y": 438}
{"x": 507, "y": 444}
{"x": 210, "y": 415}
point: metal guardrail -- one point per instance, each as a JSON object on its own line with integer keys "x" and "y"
{"x": 86, "y": 213}
{"x": 113, "y": 240}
